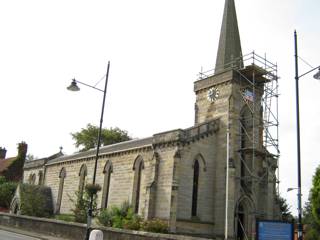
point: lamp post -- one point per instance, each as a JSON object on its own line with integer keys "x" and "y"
{"x": 297, "y": 77}
{"x": 74, "y": 87}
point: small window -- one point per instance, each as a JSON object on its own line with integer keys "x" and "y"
{"x": 195, "y": 188}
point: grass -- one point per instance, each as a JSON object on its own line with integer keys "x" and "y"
{"x": 65, "y": 217}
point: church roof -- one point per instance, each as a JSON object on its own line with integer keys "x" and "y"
{"x": 229, "y": 49}
{"x": 41, "y": 161}
{"x": 122, "y": 146}
{"x": 178, "y": 135}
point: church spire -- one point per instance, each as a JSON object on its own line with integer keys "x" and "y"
{"x": 229, "y": 49}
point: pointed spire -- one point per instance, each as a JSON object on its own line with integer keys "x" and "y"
{"x": 229, "y": 49}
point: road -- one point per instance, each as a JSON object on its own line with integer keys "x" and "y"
{"x": 4, "y": 235}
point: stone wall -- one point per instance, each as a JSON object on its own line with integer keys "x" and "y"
{"x": 28, "y": 172}
{"x": 206, "y": 154}
{"x": 121, "y": 180}
{"x": 75, "y": 231}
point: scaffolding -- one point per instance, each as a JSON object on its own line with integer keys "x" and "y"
{"x": 258, "y": 127}
{"x": 257, "y": 75}
{"x": 258, "y": 121}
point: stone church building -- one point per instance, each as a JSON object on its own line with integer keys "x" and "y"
{"x": 224, "y": 165}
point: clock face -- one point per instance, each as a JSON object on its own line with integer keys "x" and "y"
{"x": 213, "y": 94}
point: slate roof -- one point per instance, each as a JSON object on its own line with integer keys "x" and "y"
{"x": 40, "y": 162}
{"x": 131, "y": 144}
{"x": 5, "y": 163}
{"x": 182, "y": 135}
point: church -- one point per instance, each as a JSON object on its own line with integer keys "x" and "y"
{"x": 215, "y": 178}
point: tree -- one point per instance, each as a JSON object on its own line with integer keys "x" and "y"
{"x": 30, "y": 157}
{"x": 315, "y": 196}
{"x": 311, "y": 211}
{"x": 7, "y": 190}
{"x": 14, "y": 171}
{"x": 284, "y": 209}
{"x": 88, "y": 137}
{"x": 312, "y": 227}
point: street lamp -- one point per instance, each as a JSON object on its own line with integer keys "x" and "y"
{"x": 291, "y": 188}
{"x": 74, "y": 87}
{"x": 297, "y": 77}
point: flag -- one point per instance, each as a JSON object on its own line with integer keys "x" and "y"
{"x": 248, "y": 95}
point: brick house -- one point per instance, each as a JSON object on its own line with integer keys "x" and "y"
{"x": 12, "y": 168}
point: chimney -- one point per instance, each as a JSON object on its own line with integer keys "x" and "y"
{"x": 3, "y": 153}
{"x": 22, "y": 148}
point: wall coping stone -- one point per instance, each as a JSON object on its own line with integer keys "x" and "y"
{"x": 15, "y": 221}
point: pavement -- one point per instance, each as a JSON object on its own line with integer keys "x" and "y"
{"x": 29, "y": 233}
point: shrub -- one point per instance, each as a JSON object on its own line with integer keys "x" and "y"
{"x": 82, "y": 203}
{"x": 105, "y": 217}
{"x": 155, "y": 225}
{"x": 7, "y": 190}
{"x": 120, "y": 217}
{"x": 2, "y": 180}
{"x": 36, "y": 200}
{"x": 81, "y": 207}
{"x": 132, "y": 222}
{"x": 124, "y": 217}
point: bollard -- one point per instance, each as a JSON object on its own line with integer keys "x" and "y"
{"x": 96, "y": 235}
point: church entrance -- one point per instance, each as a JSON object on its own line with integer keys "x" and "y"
{"x": 240, "y": 225}
{"x": 245, "y": 220}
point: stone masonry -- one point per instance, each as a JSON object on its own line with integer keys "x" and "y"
{"x": 180, "y": 175}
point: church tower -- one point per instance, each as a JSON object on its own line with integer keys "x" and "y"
{"x": 242, "y": 91}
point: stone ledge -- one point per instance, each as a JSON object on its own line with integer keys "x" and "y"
{"x": 187, "y": 135}
{"x": 76, "y": 231}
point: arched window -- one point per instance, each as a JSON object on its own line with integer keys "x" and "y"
{"x": 106, "y": 184}
{"x": 40, "y": 174}
{"x": 199, "y": 166}
{"x": 195, "y": 188}
{"x": 244, "y": 219}
{"x": 82, "y": 180}
{"x": 137, "y": 167}
{"x": 32, "y": 178}
{"x": 62, "y": 176}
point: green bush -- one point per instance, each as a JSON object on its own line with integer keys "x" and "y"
{"x": 82, "y": 204}
{"x": 36, "y": 200}
{"x": 124, "y": 217}
{"x": 120, "y": 217}
{"x": 7, "y": 190}
{"x": 155, "y": 225}
{"x": 81, "y": 207}
{"x": 312, "y": 234}
{"x": 2, "y": 180}
{"x": 105, "y": 217}
{"x": 132, "y": 221}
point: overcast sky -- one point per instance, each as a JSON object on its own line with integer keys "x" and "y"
{"x": 156, "y": 49}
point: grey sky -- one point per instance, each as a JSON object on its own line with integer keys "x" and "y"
{"x": 156, "y": 49}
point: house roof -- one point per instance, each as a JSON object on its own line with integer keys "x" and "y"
{"x": 5, "y": 163}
